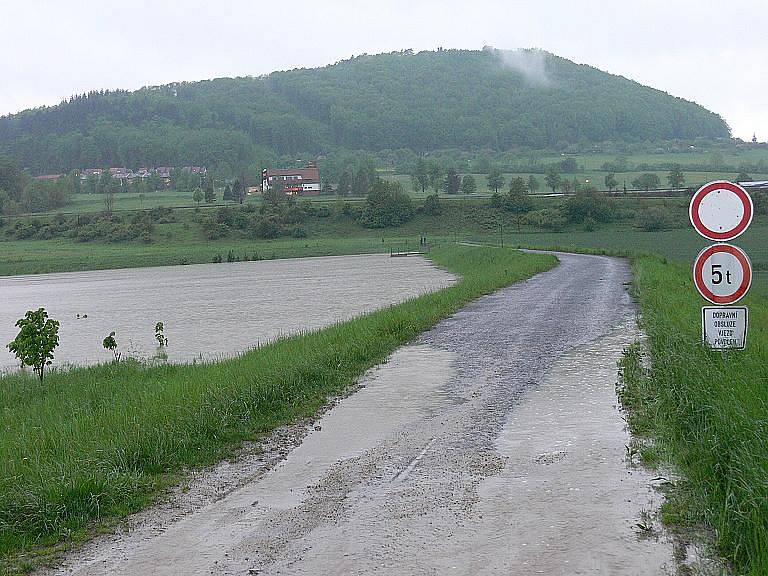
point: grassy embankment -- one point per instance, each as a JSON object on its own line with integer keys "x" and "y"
{"x": 707, "y": 412}
{"x": 93, "y": 444}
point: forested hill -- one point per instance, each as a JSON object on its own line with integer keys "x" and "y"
{"x": 425, "y": 101}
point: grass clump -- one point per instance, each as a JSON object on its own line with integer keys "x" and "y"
{"x": 97, "y": 443}
{"x": 707, "y": 412}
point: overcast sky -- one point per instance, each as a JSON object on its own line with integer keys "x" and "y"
{"x": 711, "y": 52}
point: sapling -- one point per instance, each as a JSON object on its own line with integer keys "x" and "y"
{"x": 37, "y": 338}
{"x": 110, "y": 344}
{"x": 159, "y": 335}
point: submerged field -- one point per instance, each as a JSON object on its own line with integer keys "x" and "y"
{"x": 97, "y": 443}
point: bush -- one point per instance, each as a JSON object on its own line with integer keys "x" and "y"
{"x": 653, "y": 219}
{"x": 760, "y": 201}
{"x": 216, "y": 231}
{"x": 588, "y": 205}
{"x": 432, "y": 205}
{"x": 386, "y": 205}
{"x": 266, "y": 229}
{"x": 547, "y": 219}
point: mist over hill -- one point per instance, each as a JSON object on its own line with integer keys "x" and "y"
{"x": 426, "y": 101}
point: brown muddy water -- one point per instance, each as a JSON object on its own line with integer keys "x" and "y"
{"x": 209, "y": 310}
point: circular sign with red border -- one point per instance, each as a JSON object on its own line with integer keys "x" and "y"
{"x": 721, "y": 210}
{"x": 722, "y": 274}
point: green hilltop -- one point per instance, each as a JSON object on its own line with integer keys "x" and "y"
{"x": 425, "y": 101}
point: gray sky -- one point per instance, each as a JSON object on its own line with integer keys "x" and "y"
{"x": 712, "y": 52}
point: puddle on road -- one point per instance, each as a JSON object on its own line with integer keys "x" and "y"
{"x": 567, "y": 497}
{"x": 408, "y": 388}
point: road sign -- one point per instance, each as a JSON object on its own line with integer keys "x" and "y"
{"x": 722, "y": 273}
{"x": 721, "y": 210}
{"x": 724, "y": 326}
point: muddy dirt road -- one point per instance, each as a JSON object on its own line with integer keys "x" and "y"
{"x": 492, "y": 445}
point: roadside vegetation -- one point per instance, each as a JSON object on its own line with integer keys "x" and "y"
{"x": 93, "y": 444}
{"x": 705, "y": 412}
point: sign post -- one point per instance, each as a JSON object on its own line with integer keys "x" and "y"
{"x": 722, "y": 273}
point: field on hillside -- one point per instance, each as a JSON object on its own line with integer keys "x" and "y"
{"x": 593, "y": 177}
{"x": 180, "y": 239}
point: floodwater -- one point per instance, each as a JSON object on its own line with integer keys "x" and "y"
{"x": 209, "y": 310}
{"x": 491, "y": 445}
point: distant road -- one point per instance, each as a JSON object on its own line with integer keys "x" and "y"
{"x": 492, "y": 445}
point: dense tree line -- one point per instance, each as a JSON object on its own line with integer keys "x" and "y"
{"x": 391, "y": 102}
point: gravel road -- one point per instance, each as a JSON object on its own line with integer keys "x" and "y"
{"x": 492, "y": 445}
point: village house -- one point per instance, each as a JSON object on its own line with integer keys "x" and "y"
{"x": 295, "y": 181}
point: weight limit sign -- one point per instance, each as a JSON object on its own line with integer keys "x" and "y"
{"x": 722, "y": 274}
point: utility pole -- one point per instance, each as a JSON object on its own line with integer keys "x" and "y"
{"x": 501, "y": 233}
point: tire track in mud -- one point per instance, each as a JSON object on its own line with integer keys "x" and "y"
{"x": 404, "y": 475}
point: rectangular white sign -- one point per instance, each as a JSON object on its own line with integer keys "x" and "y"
{"x": 724, "y": 326}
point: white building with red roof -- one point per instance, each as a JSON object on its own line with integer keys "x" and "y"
{"x": 295, "y": 181}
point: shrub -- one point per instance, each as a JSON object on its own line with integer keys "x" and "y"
{"x": 588, "y": 205}
{"x": 432, "y": 205}
{"x": 547, "y": 219}
{"x": 386, "y": 205}
{"x": 266, "y": 229}
{"x": 653, "y": 219}
{"x": 299, "y": 232}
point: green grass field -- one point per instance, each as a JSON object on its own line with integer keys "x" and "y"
{"x": 92, "y": 444}
{"x": 592, "y": 177}
{"x": 706, "y": 411}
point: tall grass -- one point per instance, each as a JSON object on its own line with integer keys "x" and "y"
{"x": 708, "y": 411}
{"x": 97, "y": 443}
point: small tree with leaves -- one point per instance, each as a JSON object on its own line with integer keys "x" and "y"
{"x": 452, "y": 181}
{"x": 646, "y": 182}
{"x": 495, "y": 179}
{"x": 468, "y": 184}
{"x": 553, "y": 179}
{"x": 197, "y": 196}
{"x": 238, "y": 191}
{"x": 38, "y": 337}
{"x": 420, "y": 175}
{"x": 533, "y": 184}
{"x": 110, "y": 343}
{"x": 676, "y": 178}
{"x": 209, "y": 192}
{"x": 610, "y": 181}
{"x": 160, "y": 334}
{"x": 518, "y": 202}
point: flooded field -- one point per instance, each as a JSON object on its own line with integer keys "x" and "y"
{"x": 209, "y": 310}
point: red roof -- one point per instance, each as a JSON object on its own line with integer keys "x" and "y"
{"x": 305, "y": 173}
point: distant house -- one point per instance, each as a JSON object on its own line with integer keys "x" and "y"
{"x": 295, "y": 181}
{"x": 164, "y": 172}
{"x": 85, "y": 174}
{"x": 48, "y": 177}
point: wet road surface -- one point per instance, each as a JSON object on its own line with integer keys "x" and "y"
{"x": 492, "y": 445}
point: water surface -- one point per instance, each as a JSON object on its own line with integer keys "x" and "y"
{"x": 209, "y": 310}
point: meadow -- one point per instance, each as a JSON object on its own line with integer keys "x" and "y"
{"x": 705, "y": 412}
{"x": 93, "y": 444}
